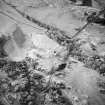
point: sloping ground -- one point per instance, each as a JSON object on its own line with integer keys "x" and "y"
{"x": 69, "y": 19}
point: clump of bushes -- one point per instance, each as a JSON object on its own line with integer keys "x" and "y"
{"x": 25, "y": 87}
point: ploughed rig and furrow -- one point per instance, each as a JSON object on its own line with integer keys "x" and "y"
{"x": 52, "y": 32}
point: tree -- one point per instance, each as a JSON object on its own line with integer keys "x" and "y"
{"x": 87, "y": 2}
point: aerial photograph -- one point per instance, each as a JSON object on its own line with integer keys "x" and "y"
{"x": 52, "y": 52}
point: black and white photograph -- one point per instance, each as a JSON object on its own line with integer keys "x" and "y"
{"x": 52, "y": 52}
